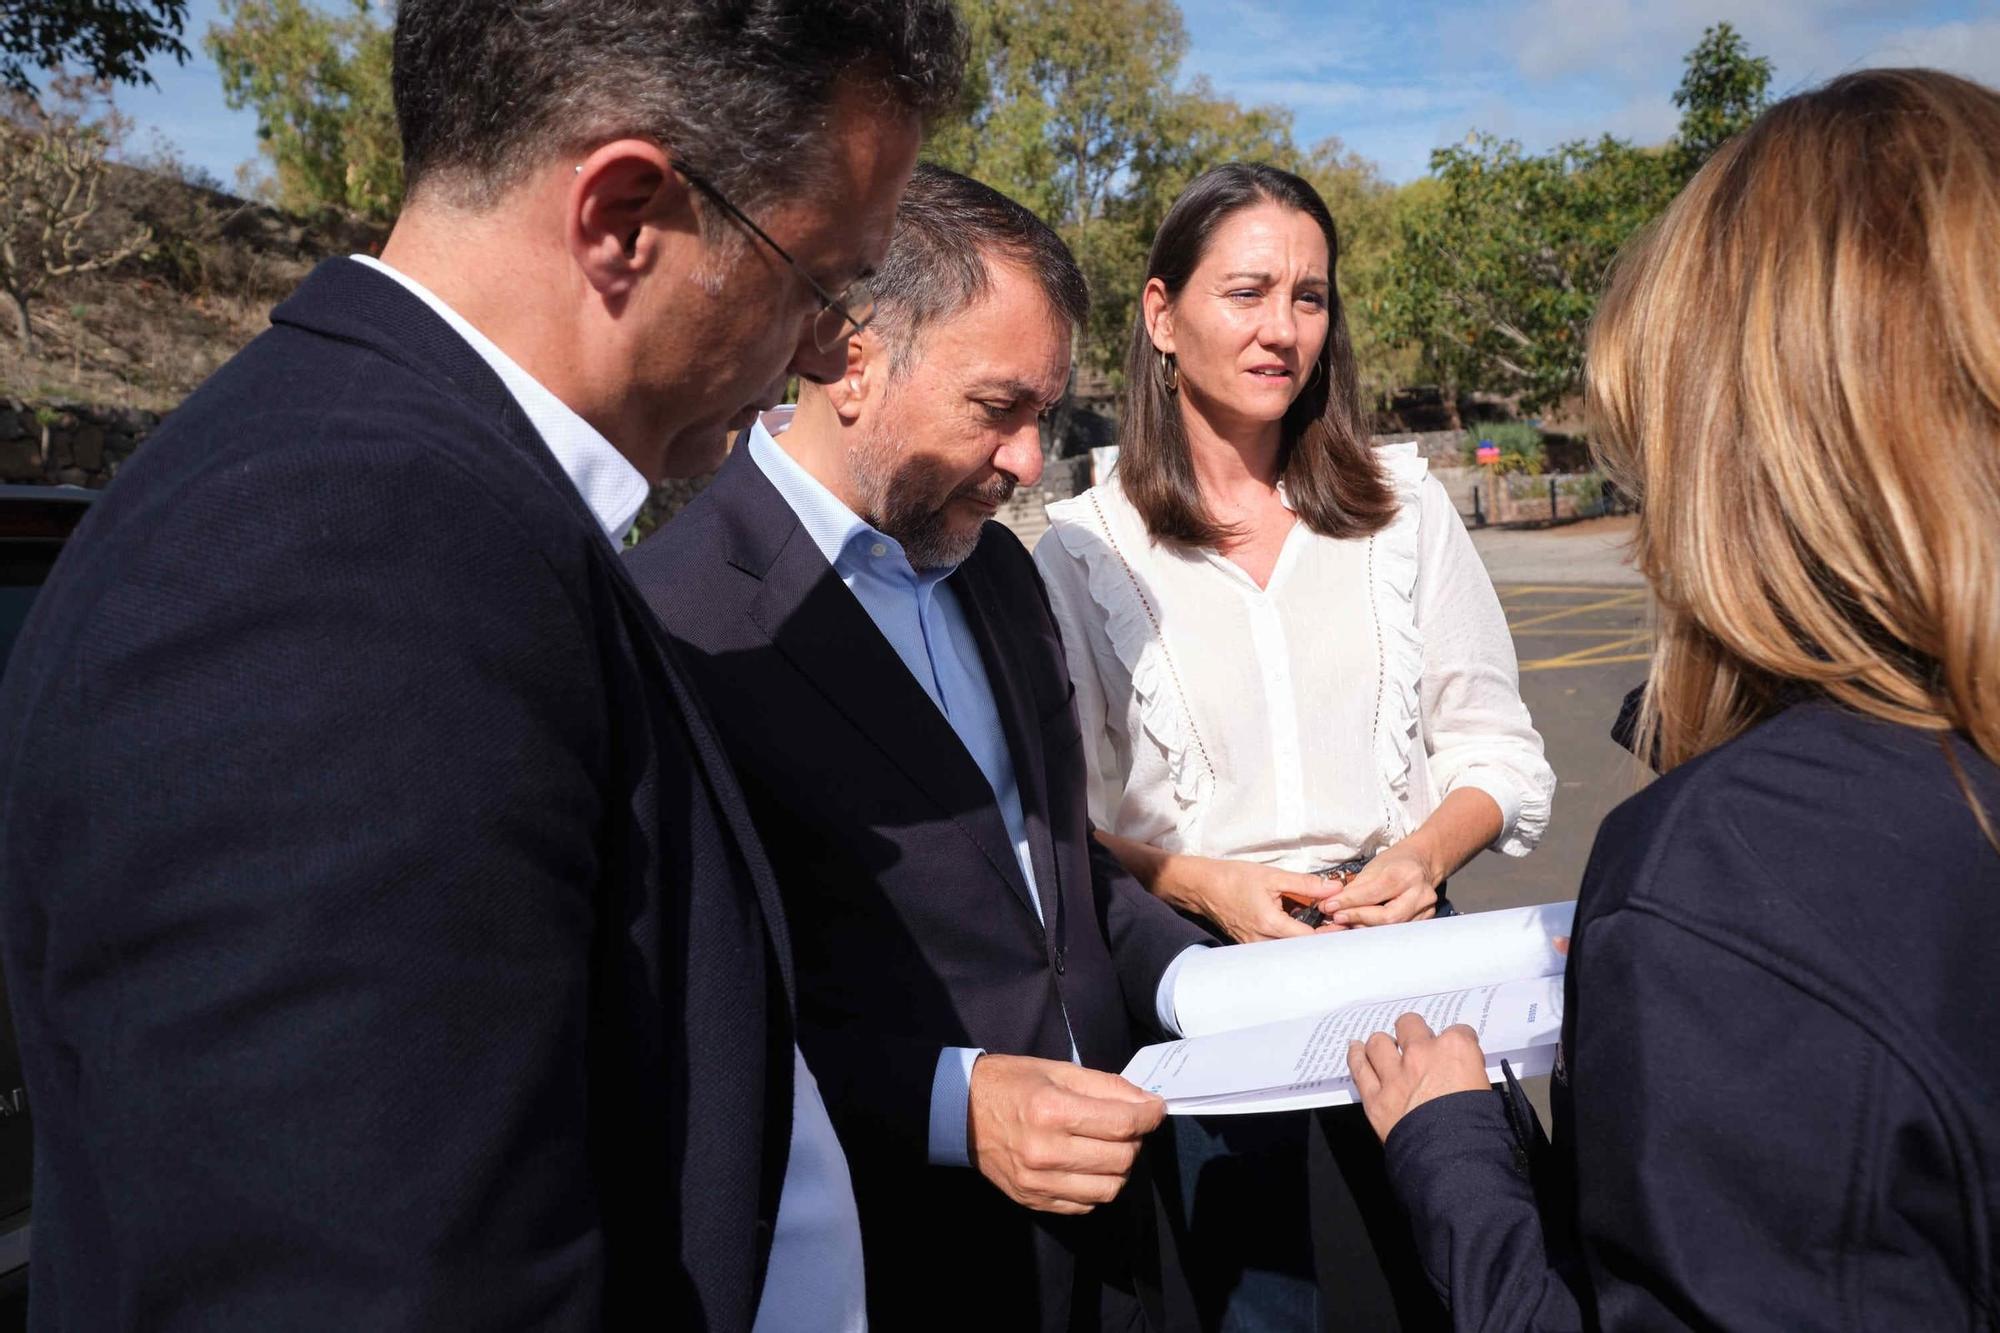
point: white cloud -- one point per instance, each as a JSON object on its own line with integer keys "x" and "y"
{"x": 1250, "y": 40}
{"x": 1342, "y": 95}
{"x": 1970, "y": 48}
{"x": 1396, "y": 78}
{"x": 1626, "y": 39}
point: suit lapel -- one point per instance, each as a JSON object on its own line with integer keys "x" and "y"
{"x": 715, "y": 772}
{"x": 1007, "y": 672}
{"x": 813, "y": 619}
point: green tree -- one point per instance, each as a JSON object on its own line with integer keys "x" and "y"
{"x": 1072, "y": 107}
{"x": 1366, "y": 212}
{"x": 1723, "y": 89}
{"x": 319, "y": 83}
{"x": 1499, "y": 267}
{"x": 109, "y": 40}
{"x": 1497, "y": 274}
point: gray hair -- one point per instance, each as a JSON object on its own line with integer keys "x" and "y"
{"x": 949, "y": 229}
{"x": 739, "y": 89}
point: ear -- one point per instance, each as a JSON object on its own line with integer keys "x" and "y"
{"x": 866, "y": 373}
{"x": 1159, "y": 313}
{"x": 625, "y": 207}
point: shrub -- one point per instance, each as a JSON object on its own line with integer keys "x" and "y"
{"x": 1520, "y": 445}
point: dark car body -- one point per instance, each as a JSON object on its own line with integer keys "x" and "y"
{"x": 35, "y": 521}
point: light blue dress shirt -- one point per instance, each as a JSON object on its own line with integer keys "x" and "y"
{"x": 815, "y": 1280}
{"x": 919, "y": 614}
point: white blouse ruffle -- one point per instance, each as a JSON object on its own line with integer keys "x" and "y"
{"x": 1443, "y": 707}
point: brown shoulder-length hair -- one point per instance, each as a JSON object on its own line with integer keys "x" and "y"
{"x": 1328, "y": 468}
{"x": 1798, "y": 370}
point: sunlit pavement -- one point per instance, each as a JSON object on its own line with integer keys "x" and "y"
{"x": 1581, "y": 648}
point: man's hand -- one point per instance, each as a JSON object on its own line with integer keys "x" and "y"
{"x": 1393, "y": 1076}
{"x": 1053, "y": 1135}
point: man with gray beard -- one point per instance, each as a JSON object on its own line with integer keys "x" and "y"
{"x": 886, "y": 676}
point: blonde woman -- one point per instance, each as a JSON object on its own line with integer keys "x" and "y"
{"x": 1780, "y": 1062}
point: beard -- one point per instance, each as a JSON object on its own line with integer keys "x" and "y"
{"x": 910, "y": 499}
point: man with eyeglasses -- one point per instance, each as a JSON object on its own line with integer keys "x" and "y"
{"x": 840, "y": 317}
{"x": 389, "y": 941}
{"x": 884, "y": 670}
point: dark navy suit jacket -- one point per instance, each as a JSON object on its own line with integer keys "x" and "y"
{"x": 1779, "y": 1103}
{"x": 388, "y": 941}
{"x": 912, "y": 926}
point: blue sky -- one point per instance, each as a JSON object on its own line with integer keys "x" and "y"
{"x": 1394, "y": 78}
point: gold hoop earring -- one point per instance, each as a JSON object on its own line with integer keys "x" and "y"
{"x": 1170, "y": 371}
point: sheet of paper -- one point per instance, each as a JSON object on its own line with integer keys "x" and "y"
{"x": 1244, "y": 985}
{"x": 1302, "y": 1062}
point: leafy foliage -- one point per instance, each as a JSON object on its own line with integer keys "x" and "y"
{"x": 1366, "y": 211}
{"x": 1498, "y": 269}
{"x": 1520, "y": 445}
{"x": 319, "y": 83}
{"x": 108, "y": 39}
{"x": 1072, "y": 108}
{"x": 1723, "y": 89}
{"x": 1497, "y": 275}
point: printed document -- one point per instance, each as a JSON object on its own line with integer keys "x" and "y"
{"x": 1268, "y": 1024}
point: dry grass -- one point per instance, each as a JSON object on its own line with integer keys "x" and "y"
{"x": 146, "y": 333}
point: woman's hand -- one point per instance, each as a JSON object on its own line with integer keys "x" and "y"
{"x": 1245, "y": 899}
{"x": 1393, "y": 1076}
{"x": 1400, "y": 884}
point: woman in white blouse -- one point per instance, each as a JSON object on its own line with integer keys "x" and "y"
{"x": 1287, "y": 656}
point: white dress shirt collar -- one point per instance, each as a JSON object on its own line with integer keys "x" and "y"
{"x": 609, "y": 484}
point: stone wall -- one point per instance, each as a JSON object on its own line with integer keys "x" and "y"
{"x": 68, "y": 443}
{"x": 1444, "y": 448}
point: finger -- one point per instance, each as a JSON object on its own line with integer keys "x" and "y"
{"x": 1366, "y": 1082}
{"x": 1562, "y": 945}
{"x": 1372, "y": 884}
{"x": 1043, "y": 1203}
{"x": 1115, "y": 1121}
{"x": 1460, "y": 1032}
{"x": 1328, "y": 927}
{"x": 1068, "y": 1154}
{"x": 1411, "y": 1030}
{"x": 1088, "y": 1082}
{"x": 1394, "y": 912}
{"x": 1271, "y": 921}
{"x": 1083, "y": 1192}
{"x": 1384, "y": 1056}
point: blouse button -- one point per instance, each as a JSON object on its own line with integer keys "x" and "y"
{"x": 878, "y": 549}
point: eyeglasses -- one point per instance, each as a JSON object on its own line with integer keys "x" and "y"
{"x": 840, "y": 316}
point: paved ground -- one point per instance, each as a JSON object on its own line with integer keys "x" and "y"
{"x": 1582, "y": 646}
{"x": 1590, "y": 552}
{"x": 1578, "y": 614}
{"x": 1581, "y": 649}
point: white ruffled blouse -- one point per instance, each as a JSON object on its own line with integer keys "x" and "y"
{"x": 1317, "y": 719}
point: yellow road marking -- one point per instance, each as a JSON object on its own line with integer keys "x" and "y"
{"x": 1557, "y": 664}
{"x": 1571, "y": 633}
{"x": 1624, "y": 599}
{"x": 1585, "y": 656}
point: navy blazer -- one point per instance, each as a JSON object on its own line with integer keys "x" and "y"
{"x": 388, "y": 941}
{"x": 912, "y": 927}
{"x": 1781, "y": 1060}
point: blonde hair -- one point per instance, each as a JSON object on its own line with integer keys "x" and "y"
{"x": 1797, "y": 369}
